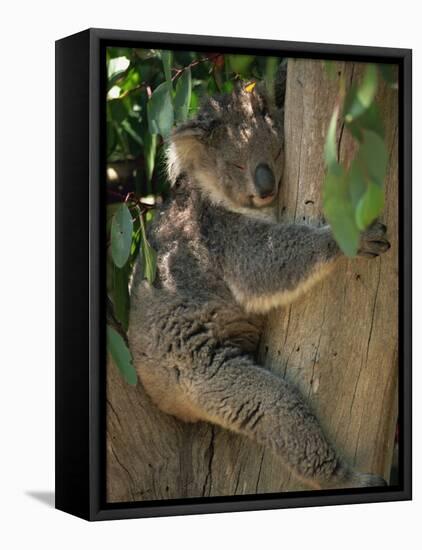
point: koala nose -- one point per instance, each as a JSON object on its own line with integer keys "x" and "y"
{"x": 264, "y": 180}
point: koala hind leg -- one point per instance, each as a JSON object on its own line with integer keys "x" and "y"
{"x": 231, "y": 390}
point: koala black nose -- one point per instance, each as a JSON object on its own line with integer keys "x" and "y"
{"x": 264, "y": 180}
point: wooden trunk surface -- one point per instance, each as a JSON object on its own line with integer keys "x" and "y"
{"x": 338, "y": 343}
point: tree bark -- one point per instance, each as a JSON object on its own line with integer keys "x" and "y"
{"x": 338, "y": 343}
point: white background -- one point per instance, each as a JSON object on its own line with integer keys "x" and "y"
{"x": 27, "y": 37}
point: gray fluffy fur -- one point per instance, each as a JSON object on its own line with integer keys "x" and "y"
{"x": 223, "y": 262}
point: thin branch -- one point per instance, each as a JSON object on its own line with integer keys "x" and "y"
{"x": 132, "y": 200}
{"x": 178, "y": 72}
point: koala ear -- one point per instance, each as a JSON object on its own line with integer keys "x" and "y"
{"x": 186, "y": 148}
{"x": 192, "y": 129}
{"x": 199, "y": 129}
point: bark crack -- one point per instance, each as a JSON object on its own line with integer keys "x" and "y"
{"x": 237, "y": 480}
{"x": 123, "y": 467}
{"x": 208, "y": 478}
{"x": 300, "y": 158}
{"x": 114, "y": 411}
{"x": 316, "y": 355}
{"x": 342, "y": 125}
{"x": 373, "y": 313}
{"x": 259, "y": 472}
{"x": 364, "y": 363}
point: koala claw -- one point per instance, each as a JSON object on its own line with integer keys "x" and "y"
{"x": 373, "y": 241}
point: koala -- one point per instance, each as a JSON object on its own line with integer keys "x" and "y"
{"x": 223, "y": 262}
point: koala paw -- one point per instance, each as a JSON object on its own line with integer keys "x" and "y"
{"x": 346, "y": 477}
{"x": 373, "y": 241}
{"x": 368, "y": 480}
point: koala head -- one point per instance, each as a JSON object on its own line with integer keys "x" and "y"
{"x": 233, "y": 149}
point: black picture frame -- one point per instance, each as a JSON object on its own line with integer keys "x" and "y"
{"x": 80, "y": 273}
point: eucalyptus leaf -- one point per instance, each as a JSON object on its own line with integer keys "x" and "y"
{"x": 368, "y": 120}
{"x": 240, "y": 63}
{"x": 150, "y": 149}
{"x": 271, "y": 66}
{"x": 372, "y": 157}
{"x": 194, "y": 103}
{"x": 370, "y": 206}
{"x": 127, "y": 126}
{"x": 118, "y": 110}
{"x": 227, "y": 87}
{"x": 120, "y": 294}
{"x": 149, "y": 256}
{"x": 166, "y": 58}
{"x": 356, "y": 183}
{"x": 340, "y": 214}
{"x": 330, "y": 149}
{"x": 339, "y": 211}
{"x": 111, "y": 138}
{"x": 110, "y": 211}
{"x": 130, "y": 80}
{"x": 364, "y": 94}
{"x": 182, "y": 96}
{"x": 160, "y": 111}
{"x": 388, "y": 73}
{"x": 121, "y": 355}
{"x": 121, "y": 235}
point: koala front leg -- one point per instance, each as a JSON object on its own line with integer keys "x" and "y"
{"x": 267, "y": 265}
{"x": 230, "y": 390}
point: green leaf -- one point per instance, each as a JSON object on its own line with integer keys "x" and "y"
{"x": 120, "y": 294}
{"x": 340, "y": 215}
{"x": 240, "y": 63}
{"x": 330, "y": 149}
{"x": 194, "y": 103}
{"x": 364, "y": 95}
{"x": 149, "y": 256}
{"x": 150, "y": 149}
{"x": 356, "y": 182}
{"x": 121, "y": 235}
{"x": 372, "y": 157}
{"x": 339, "y": 211}
{"x": 182, "y": 96}
{"x": 110, "y": 211}
{"x": 271, "y": 66}
{"x": 111, "y": 138}
{"x": 149, "y": 216}
{"x": 370, "y": 206}
{"x": 117, "y": 110}
{"x": 166, "y": 58}
{"x": 121, "y": 355}
{"x": 369, "y": 120}
{"x": 388, "y": 73}
{"x": 131, "y": 80}
{"x": 160, "y": 111}
{"x": 227, "y": 87}
{"x": 127, "y": 126}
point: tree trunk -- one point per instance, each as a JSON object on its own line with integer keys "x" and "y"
{"x": 338, "y": 343}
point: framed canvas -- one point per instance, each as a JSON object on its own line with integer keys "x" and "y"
{"x": 233, "y": 229}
